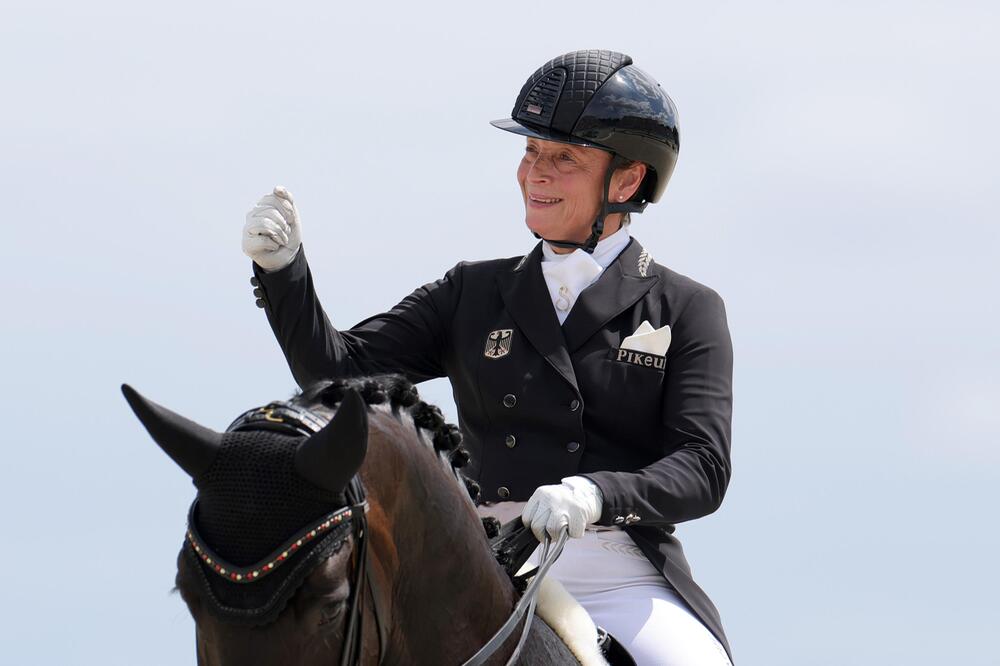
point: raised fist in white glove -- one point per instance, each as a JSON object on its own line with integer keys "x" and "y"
{"x": 272, "y": 235}
{"x": 575, "y": 503}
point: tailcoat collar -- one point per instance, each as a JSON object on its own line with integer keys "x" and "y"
{"x": 619, "y": 287}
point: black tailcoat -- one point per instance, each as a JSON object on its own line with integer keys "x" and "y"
{"x": 538, "y": 402}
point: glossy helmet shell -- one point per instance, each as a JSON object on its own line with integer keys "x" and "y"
{"x": 601, "y": 100}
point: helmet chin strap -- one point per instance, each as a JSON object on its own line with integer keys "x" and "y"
{"x": 607, "y": 208}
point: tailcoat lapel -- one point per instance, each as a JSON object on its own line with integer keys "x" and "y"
{"x": 618, "y": 288}
{"x": 527, "y": 299}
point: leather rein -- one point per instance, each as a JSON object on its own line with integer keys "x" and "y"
{"x": 288, "y": 418}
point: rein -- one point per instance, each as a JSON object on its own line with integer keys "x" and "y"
{"x": 525, "y": 606}
{"x": 288, "y": 418}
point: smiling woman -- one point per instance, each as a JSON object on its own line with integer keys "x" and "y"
{"x": 593, "y": 385}
{"x": 561, "y": 185}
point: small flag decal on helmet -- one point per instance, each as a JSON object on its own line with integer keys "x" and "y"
{"x": 498, "y": 343}
{"x": 535, "y": 109}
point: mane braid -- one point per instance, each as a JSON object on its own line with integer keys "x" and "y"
{"x": 402, "y": 398}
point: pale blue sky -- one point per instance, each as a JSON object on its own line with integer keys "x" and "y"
{"x": 836, "y": 185}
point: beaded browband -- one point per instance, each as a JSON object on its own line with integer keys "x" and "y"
{"x": 338, "y": 519}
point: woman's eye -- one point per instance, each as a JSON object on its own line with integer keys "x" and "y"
{"x": 566, "y": 157}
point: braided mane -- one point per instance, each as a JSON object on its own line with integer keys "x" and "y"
{"x": 400, "y": 397}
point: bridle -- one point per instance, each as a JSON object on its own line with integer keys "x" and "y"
{"x": 289, "y": 418}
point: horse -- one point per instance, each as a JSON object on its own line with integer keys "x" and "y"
{"x": 336, "y": 527}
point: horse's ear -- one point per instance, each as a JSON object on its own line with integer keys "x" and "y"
{"x": 332, "y": 456}
{"x": 191, "y": 446}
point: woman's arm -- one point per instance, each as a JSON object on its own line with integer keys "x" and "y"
{"x": 691, "y": 479}
{"x": 410, "y": 338}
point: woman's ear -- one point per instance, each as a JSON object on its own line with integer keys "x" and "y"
{"x": 626, "y": 181}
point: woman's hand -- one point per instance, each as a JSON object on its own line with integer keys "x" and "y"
{"x": 272, "y": 234}
{"x": 575, "y": 503}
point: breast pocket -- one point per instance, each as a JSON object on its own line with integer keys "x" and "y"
{"x": 636, "y": 382}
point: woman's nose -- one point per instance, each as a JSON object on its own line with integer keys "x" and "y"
{"x": 539, "y": 171}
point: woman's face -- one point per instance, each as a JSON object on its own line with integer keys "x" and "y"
{"x": 562, "y": 186}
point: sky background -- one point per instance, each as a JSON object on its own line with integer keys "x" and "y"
{"x": 837, "y": 185}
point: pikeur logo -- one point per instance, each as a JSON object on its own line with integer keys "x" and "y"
{"x": 639, "y": 358}
{"x": 498, "y": 343}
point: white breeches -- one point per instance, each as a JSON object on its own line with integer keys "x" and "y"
{"x": 607, "y": 573}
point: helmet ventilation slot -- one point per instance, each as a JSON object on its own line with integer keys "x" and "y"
{"x": 540, "y": 103}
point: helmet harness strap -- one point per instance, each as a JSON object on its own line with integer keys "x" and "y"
{"x": 607, "y": 207}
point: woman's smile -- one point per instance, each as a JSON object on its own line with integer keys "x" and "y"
{"x": 541, "y": 201}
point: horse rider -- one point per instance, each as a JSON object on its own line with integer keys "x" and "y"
{"x": 593, "y": 384}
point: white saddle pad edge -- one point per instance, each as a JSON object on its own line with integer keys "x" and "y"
{"x": 570, "y": 621}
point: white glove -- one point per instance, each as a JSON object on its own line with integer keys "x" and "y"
{"x": 272, "y": 234}
{"x": 575, "y": 503}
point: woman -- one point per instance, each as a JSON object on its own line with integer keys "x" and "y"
{"x": 593, "y": 385}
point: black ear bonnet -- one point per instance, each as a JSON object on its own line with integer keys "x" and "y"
{"x": 278, "y": 491}
{"x": 247, "y": 500}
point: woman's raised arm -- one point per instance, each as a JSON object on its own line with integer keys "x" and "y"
{"x": 411, "y": 338}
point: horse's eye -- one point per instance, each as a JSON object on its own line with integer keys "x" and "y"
{"x": 331, "y": 611}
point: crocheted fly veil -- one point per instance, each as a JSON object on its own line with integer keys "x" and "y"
{"x": 274, "y": 498}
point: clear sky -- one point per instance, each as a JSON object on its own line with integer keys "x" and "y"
{"x": 837, "y": 185}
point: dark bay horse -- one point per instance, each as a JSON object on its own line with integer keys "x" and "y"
{"x": 335, "y": 528}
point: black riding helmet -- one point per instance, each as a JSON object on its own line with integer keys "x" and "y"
{"x": 601, "y": 100}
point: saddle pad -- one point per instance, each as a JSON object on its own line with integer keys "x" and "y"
{"x": 569, "y": 620}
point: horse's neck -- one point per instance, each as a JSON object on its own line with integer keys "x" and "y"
{"x": 430, "y": 543}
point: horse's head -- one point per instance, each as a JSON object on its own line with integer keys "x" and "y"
{"x": 283, "y": 562}
{"x": 274, "y": 543}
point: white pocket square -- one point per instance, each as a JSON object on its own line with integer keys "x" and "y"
{"x": 648, "y": 340}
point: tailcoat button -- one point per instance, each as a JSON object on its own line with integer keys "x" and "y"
{"x": 509, "y": 400}
{"x": 511, "y": 441}
{"x": 258, "y": 292}
{"x": 503, "y": 492}
{"x": 260, "y": 302}
{"x": 254, "y": 281}
{"x": 574, "y": 405}
{"x": 572, "y": 447}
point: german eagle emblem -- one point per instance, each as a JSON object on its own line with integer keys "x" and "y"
{"x": 498, "y": 343}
